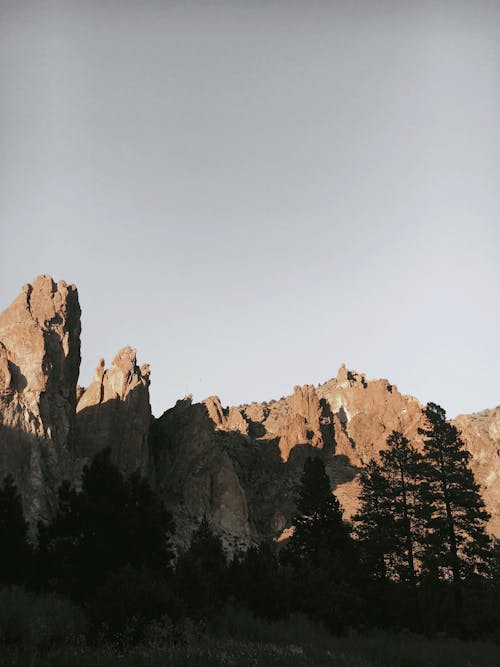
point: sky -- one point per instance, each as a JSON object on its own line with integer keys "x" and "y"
{"x": 252, "y": 192}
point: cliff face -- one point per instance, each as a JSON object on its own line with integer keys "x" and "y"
{"x": 39, "y": 365}
{"x": 49, "y": 427}
{"x": 239, "y": 466}
{"x": 114, "y": 411}
{"x": 195, "y": 474}
{"x": 481, "y": 434}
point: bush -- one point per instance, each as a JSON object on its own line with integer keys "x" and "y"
{"x": 163, "y": 634}
{"x": 128, "y": 603}
{"x": 38, "y": 622}
{"x": 240, "y": 624}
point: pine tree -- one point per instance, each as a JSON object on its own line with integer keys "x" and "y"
{"x": 111, "y": 523}
{"x": 15, "y": 550}
{"x": 318, "y": 525}
{"x": 388, "y": 522}
{"x": 258, "y": 582}
{"x": 374, "y": 522}
{"x": 457, "y": 518}
{"x": 322, "y": 555}
{"x": 400, "y": 465}
{"x": 457, "y": 545}
{"x": 201, "y": 573}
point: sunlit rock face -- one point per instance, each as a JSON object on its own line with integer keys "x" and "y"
{"x": 238, "y": 466}
{"x": 39, "y": 366}
{"x": 481, "y": 434}
{"x": 114, "y": 411}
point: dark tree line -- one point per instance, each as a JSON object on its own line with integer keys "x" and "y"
{"x": 422, "y": 521}
{"x": 416, "y": 556}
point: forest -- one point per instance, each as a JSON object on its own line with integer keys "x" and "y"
{"x": 413, "y": 571}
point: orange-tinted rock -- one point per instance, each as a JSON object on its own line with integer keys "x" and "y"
{"x": 114, "y": 411}
{"x": 39, "y": 365}
{"x": 239, "y": 466}
{"x": 229, "y": 419}
{"x": 262, "y": 447}
{"x": 481, "y": 434}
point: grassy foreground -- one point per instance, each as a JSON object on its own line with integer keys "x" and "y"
{"x": 376, "y": 650}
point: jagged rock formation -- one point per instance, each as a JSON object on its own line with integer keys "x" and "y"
{"x": 114, "y": 411}
{"x": 194, "y": 472}
{"x": 481, "y": 434}
{"x": 39, "y": 365}
{"x": 239, "y": 466}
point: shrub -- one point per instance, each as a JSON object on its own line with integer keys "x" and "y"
{"x": 127, "y": 603}
{"x": 240, "y": 624}
{"x": 38, "y": 622}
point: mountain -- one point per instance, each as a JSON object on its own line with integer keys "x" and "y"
{"x": 238, "y": 466}
{"x": 39, "y": 366}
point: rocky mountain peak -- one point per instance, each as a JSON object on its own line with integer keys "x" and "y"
{"x": 237, "y": 465}
{"x": 114, "y": 411}
{"x": 39, "y": 366}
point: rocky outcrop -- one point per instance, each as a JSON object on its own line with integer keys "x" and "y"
{"x": 39, "y": 366}
{"x": 238, "y": 466}
{"x": 194, "y": 472}
{"x": 49, "y": 427}
{"x": 481, "y": 434}
{"x": 114, "y": 411}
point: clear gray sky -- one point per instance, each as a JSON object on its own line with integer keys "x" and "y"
{"x": 252, "y": 192}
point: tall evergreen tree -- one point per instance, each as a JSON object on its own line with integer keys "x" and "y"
{"x": 322, "y": 556}
{"x": 374, "y": 522}
{"x": 388, "y": 522}
{"x": 258, "y": 582}
{"x": 457, "y": 545}
{"x": 201, "y": 573}
{"x": 112, "y": 522}
{"x": 400, "y": 465}
{"x": 14, "y": 550}
{"x": 318, "y": 525}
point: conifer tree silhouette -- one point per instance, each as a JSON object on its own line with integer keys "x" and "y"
{"x": 15, "y": 550}
{"x": 318, "y": 525}
{"x": 201, "y": 573}
{"x": 111, "y": 523}
{"x": 400, "y": 465}
{"x": 456, "y": 545}
{"x": 321, "y": 554}
{"x": 374, "y": 522}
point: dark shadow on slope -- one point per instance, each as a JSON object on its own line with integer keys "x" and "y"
{"x": 326, "y": 426}
{"x": 19, "y": 381}
{"x": 198, "y": 469}
{"x": 120, "y": 424}
{"x": 38, "y": 466}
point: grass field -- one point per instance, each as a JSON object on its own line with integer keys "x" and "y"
{"x": 377, "y": 650}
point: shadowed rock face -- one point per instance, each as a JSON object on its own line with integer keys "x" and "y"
{"x": 39, "y": 365}
{"x": 114, "y": 411}
{"x": 205, "y": 463}
{"x": 195, "y": 474}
